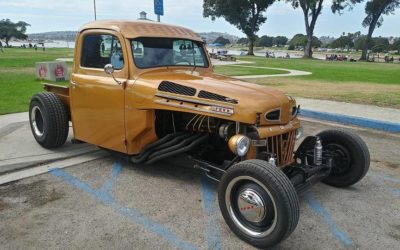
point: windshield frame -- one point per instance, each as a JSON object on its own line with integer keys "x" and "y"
{"x": 198, "y": 43}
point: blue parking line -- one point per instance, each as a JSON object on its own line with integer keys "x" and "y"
{"x": 380, "y": 178}
{"x": 108, "y": 184}
{"x": 352, "y": 120}
{"x": 395, "y": 191}
{"x": 129, "y": 213}
{"x": 385, "y": 177}
{"x": 318, "y": 208}
{"x": 209, "y": 204}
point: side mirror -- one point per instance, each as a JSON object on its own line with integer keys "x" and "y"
{"x": 109, "y": 69}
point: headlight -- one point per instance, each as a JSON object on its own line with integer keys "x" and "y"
{"x": 239, "y": 144}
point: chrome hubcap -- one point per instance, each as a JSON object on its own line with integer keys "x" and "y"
{"x": 248, "y": 207}
{"x": 37, "y": 121}
{"x": 251, "y": 205}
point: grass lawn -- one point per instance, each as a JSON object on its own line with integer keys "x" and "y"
{"x": 239, "y": 71}
{"x": 359, "y": 82}
{"x": 369, "y": 83}
{"x": 17, "y": 76}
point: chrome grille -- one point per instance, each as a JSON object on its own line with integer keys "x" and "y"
{"x": 175, "y": 88}
{"x": 282, "y": 146}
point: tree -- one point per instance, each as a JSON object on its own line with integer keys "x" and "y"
{"x": 380, "y": 44}
{"x": 343, "y": 42}
{"x": 243, "y": 41}
{"x": 374, "y": 10}
{"x": 222, "y": 40}
{"x": 280, "y": 41}
{"x": 300, "y": 40}
{"x": 360, "y": 43}
{"x": 246, "y": 15}
{"x": 311, "y": 11}
{"x": 10, "y": 30}
{"x": 396, "y": 45}
{"x": 265, "y": 41}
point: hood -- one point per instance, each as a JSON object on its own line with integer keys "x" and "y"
{"x": 246, "y": 99}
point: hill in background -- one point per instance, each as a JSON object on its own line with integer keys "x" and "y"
{"x": 209, "y": 37}
{"x": 54, "y": 35}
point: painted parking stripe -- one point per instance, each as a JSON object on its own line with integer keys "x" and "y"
{"x": 108, "y": 184}
{"x": 396, "y": 192}
{"x": 209, "y": 205}
{"x": 319, "y": 209}
{"x": 129, "y": 213}
{"x": 385, "y": 177}
{"x": 381, "y": 178}
{"x": 352, "y": 120}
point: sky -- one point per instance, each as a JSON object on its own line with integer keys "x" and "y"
{"x": 62, "y": 15}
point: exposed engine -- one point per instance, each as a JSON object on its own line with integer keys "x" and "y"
{"x": 202, "y": 136}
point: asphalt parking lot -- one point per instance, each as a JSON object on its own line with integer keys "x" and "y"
{"x": 109, "y": 203}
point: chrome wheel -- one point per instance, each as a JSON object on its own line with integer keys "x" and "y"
{"x": 37, "y": 121}
{"x": 251, "y": 206}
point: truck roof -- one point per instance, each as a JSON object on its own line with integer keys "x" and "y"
{"x": 139, "y": 28}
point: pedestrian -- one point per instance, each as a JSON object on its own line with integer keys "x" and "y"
{"x": 43, "y": 47}
{"x": 35, "y": 46}
{"x": 1, "y": 47}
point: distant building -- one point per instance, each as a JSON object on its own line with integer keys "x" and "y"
{"x": 143, "y": 16}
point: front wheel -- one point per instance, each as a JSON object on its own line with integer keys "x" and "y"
{"x": 258, "y": 202}
{"x": 350, "y": 157}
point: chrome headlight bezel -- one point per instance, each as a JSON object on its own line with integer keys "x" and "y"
{"x": 239, "y": 144}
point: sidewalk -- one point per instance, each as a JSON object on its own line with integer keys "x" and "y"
{"x": 368, "y": 116}
{"x": 18, "y": 148}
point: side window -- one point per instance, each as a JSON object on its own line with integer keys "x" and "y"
{"x": 99, "y": 50}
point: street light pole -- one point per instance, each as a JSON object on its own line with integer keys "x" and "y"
{"x": 94, "y": 5}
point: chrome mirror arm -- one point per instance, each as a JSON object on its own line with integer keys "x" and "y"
{"x": 109, "y": 70}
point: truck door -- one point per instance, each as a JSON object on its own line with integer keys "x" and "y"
{"x": 97, "y": 101}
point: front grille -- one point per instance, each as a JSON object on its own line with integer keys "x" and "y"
{"x": 213, "y": 96}
{"x": 282, "y": 146}
{"x": 175, "y": 88}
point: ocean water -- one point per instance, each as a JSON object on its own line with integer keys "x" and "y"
{"x": 50, "y": 44}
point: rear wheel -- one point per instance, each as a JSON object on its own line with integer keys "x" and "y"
{"x": 350, "y": 156}
{"x": 48, "y": 118}
{"x": 258, "y": 202}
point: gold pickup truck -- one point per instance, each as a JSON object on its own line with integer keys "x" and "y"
{"x": 148, "y": 90}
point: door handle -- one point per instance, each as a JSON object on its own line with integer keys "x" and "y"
{"x": 74, "y": 84}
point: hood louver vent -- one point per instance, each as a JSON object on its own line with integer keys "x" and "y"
{"x": 217, "y": 97}
{"x": 176, "y": 88}
{"x": 274, "y": 115}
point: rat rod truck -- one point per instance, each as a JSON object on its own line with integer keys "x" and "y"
{"x": 148, "y": 90}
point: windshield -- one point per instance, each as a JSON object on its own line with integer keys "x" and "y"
{"x": 149, "y": 52}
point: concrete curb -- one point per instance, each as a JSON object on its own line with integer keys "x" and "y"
{"x": 352, "y": 120}
{"x": 42, "y": 169}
